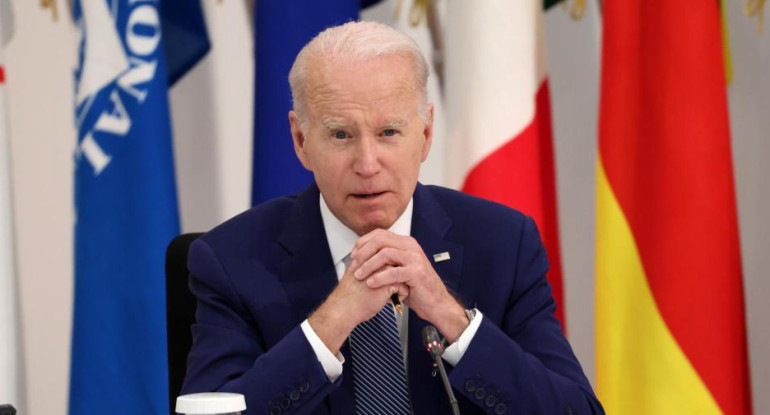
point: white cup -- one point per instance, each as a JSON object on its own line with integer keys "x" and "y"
{"x": 211, "y": 403}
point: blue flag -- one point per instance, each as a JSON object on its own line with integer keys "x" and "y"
{"x": 282, "y": 29}
{"x": 184, "y": 35}
{"x": 126, "y": 210}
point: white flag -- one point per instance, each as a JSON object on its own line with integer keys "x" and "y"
{"x": 11, "y": 374}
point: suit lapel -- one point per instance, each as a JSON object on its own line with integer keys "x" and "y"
{"x": 430, "y": 227}
{"x": 306, "y": 269}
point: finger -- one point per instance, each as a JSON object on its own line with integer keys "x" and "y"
{"x": 366, "y": 238}
{"x": 373, "y": 242}
{"x": 385, "y": 256}
{"x": 403, "y": 292}
{"x": 388, "y": 276}
{"x": 392, "y": 289}
{"x": 369, "y": 244}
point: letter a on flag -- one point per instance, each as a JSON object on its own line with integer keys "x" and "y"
{"x": 126, "y": 206}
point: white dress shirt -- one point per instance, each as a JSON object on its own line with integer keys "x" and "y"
{"x": 341, "y": 240}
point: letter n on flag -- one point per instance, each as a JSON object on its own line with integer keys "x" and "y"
{"x": 670, "y": 323}
{"x": 499, "y": 116}
{"x": 126, "y": 210}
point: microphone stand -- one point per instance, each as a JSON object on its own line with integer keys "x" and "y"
{"x": 432, "y": 342}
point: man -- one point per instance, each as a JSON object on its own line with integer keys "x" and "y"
{"x": 294, "y": 295}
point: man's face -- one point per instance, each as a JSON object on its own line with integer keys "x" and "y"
{"x": 365, "y": 138}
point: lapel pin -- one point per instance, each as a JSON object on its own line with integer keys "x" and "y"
{"x": 444, "y": 256}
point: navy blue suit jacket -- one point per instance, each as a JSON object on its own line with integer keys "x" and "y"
{"x": 260, "y": 274}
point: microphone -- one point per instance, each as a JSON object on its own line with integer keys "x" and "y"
{"x": 431, "y": 340}
{"x": 435, "y": 347}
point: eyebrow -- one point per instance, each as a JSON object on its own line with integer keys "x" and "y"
{"x": 330, "y": 124}
{"x": 395, "y": 124}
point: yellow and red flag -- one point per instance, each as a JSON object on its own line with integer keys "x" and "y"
{"x": 670, "y": 329}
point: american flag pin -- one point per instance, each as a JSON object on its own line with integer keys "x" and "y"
{"x": 444, "y": 256}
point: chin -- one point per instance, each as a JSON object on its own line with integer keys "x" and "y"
{"x": 367, "y": 225}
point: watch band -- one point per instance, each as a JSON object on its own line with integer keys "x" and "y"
{"x": 470, "y": 314}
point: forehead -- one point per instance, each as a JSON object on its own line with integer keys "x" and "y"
{"x": 387, "y": 82}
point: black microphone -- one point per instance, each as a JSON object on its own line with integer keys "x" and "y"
{"x": 433, "y": 343}
{"x": 431, "y": 340}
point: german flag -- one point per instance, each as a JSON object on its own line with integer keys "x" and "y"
{"x": 670, "y": 329}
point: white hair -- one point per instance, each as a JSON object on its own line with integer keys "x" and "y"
{"x": 357, "y": 42}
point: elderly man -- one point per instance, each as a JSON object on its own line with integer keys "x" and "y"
{"x": 294, "y": 295}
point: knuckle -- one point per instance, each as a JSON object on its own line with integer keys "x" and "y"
{"x": 390, "y": 273}
{"x": 376, "y": 262}
{"x": 389, "y": 253}
{"x": 419, "y": 270}
{"x": 401, "y": 273}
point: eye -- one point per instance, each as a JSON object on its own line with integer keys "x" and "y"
{"x": 339, "y": 135}
{"x": 390, "y": 132}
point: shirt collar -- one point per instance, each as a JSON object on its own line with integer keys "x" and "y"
{"x": 341, "y": 238}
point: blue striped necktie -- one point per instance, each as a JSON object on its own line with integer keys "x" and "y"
{"x": 379, "y": 376}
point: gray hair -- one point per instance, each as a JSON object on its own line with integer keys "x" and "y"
{"x": 356, "y": 42}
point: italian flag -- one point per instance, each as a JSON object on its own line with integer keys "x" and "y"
{"x": 498, "y": 113}
{"x": 670, "y": 330}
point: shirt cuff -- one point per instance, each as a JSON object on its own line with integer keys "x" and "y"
{"x": 455, "y": 351}
{"x": 332, "y": 364}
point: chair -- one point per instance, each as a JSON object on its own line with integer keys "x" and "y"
{"x": 180, "y": 312}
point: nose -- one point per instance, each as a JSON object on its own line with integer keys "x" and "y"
{"x": 367, "y": 158}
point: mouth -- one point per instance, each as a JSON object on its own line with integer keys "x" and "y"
{"x": 365, "y": 196}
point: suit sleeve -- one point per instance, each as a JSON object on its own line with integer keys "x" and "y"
{"x": 524, "y": 364}
{"x": 229, "y": 355}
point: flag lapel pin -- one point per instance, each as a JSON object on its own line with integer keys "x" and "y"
{"x": 443, "y": 256}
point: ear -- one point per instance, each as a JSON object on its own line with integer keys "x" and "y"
{"x": 427, "y": 133}
{"x": 298, "y": 137}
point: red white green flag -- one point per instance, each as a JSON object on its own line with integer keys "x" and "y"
{"x": 498, "y": 113}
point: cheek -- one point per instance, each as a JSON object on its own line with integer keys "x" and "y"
{"x": 330, "y": 170}
{"x": 415, "y": 157}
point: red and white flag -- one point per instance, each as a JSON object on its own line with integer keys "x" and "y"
{"x": 498, "y": 113}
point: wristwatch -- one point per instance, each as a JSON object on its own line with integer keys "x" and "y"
{"x": 470, "y": 314}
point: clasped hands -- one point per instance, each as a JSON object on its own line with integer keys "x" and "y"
{"x": 384, "y": 263}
